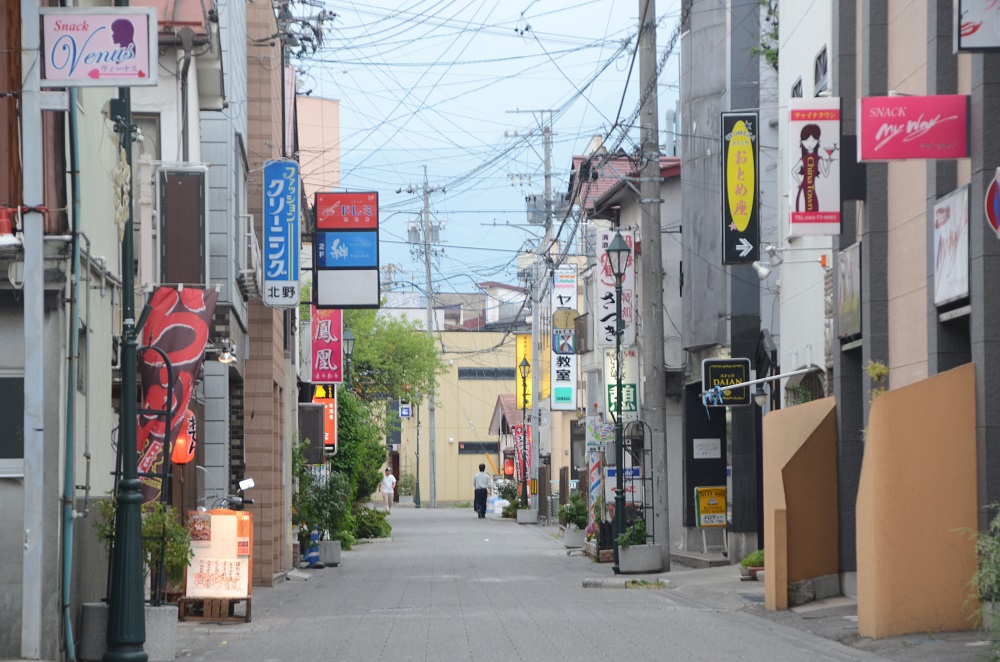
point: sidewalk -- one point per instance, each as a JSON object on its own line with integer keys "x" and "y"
{"x": 834, "y": 618}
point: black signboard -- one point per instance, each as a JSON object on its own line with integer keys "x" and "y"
{"x": 726, "y": 372}
{"x": 740, "y": 188}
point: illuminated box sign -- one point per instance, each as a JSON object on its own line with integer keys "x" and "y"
{"x": 814, "y": 185}
{"x": 345, "y": 252}
{"x": 281, "y": 233}
{"x": 347, "y": 249}
{"x": 347, "y": 211}
{"x": 727, "y": 372}
{"x": 897, "y": 128}
{"x": 740, "y": 192}
{"x": 99, "y": 47}
{"x": 327, "y": 347}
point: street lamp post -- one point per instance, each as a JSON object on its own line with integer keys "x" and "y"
{"x": 618, "y": 253}
{"x": 348, "y": 342}
{"x": 524, "y": 368}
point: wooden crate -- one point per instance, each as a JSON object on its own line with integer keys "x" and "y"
{"x": 213, "y": 609}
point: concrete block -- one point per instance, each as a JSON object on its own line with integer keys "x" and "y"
{"x": 527, "y": 516}
{"x": 826, "y": 586}
{"x": 800, "y": 592}
{"x": 161, "y": 632}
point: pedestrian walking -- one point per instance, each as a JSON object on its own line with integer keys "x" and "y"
{"x": 483, "y": 485}
{"x": 388, "y": 489}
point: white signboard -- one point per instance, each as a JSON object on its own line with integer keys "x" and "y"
{"x": 220, "y": 567}
{"x": 814, "y": 151}
{"x": 976, "y": 25}
{"x": 604, "y": 322}
{"x": 707, "y": 449}
{"x": 630, "y": 383}
{"x": 563, "y": 365}
{"x": 951, "y": 247}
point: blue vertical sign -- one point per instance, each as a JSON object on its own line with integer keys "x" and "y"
{"x": 281, "y": 233}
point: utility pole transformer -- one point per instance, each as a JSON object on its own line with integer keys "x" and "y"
{"x": 651, "y": 278}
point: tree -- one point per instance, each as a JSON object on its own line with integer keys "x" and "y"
{"x": 361, "y": 445}
{"x": 393, "y": 358}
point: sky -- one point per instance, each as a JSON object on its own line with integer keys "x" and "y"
{"x": 448, "y": 85}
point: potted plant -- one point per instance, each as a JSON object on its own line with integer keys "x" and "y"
{"x": 158, "y": 520}
{"x": 635, "y": 555}
{"x": 574, "y": 513}
{"x": 405, "y": 486}
{"x": 753, "y": 563}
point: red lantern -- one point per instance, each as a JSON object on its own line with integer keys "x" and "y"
{"x": 187, "y": 439}
{"x": 508, "y": 467}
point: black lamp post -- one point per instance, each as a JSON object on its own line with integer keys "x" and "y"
{"x": 618, "y": 252}
{"x": 524, "y": 367}
{"x": 348, "y": 342}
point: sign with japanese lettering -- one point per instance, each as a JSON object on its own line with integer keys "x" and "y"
{"x": 522, "y": 451}
{"x": 976, "y": 25}
{"x": 99, "y": 47}
{"x": 604, "y": 323}
{"x": 327, "y": 350}
{"x": 563, "y": 364}
{"x": 740, "y": 191}
{"x": 220, "y": 563}
{"x": 710, "y": 506}
{"x": 346, "y": 251}
{"x": 326, "y": 395}
{"x": 347, "y": 211}
{"x": 727, "y": 372}
{"x": 814, "y": 185}
{"x": 630, "y": 383}
{"x": 951, "y": 247}
{"x": 281, "y": 233}
{"x": 896, "y": 128}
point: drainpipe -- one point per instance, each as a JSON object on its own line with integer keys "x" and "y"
{"x": 73, "y": 349}
{"x": 185, "y": 36}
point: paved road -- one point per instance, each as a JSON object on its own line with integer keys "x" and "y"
{"x": 450, "y": 586}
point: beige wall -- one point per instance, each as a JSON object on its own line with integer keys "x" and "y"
{"x": 800, "y": 497}
{"x": 319, "y": 144}
{"x": 464, "y": 409}
{"x": 916, "y": 507}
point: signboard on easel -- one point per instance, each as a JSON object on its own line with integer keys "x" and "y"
{"x": 222, "y": 546}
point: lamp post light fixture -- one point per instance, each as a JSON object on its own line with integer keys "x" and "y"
{"x": 348, "y": 342}
{"x": 760, "y": 396}
{"x": 618, "y": 254}
{"x": 524, "y": 367}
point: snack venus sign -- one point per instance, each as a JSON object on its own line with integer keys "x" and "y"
{"x": 98, "y": 47}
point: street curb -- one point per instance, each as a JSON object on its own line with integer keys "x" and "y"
{"x": 598, "y": 582}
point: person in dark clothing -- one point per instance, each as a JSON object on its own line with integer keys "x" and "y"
{"x": 483, "y": 485}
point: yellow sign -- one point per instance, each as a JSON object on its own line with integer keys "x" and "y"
{"x": 523, "y": 352}
{"x": 710, "y": 506}
{"x": 740, "y": 181}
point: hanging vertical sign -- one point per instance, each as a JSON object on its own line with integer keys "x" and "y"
{"x": 604, "y": 324}
{"x": 326, "y": 395}
{"x": 814, "y": 187}
{"x": 951, "y": 247}
{"x": 740, "y": 193}
{"x": 327, "y": 348}
{"x": 563, "y": 366}
{"x": 346, "y": 251}
{"x": 281, "y": 233}
{"x": 630, "y": 383}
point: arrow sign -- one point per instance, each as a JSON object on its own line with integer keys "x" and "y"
{"x": 744, "y": 247}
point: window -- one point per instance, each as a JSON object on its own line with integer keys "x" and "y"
{"x": 478, "y": 447}
{"x": 821, "y": 72}
{"x": 500, "y": 374}
{"x": 12, "y": 432}
{"x": 797, "y": 89}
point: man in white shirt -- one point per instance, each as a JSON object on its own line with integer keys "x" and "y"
{"x": 388, "y": 489}
{"x": 483, "y": 485}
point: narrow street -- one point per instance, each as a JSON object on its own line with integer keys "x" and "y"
{"x": 449, "y": 586}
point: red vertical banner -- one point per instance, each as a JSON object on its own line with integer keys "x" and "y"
{"x": 327, "y": 349}
{"x": 178, "y": 324}
{"x": 326, "y": 395}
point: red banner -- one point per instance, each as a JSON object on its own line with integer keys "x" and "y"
{"x": 178, "y": 324}
{"x": 893, "y": 128}
{"x": 327, "y": 350}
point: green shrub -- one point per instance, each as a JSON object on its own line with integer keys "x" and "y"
{"x": 406, "y": 484}
{"x": 633, "y": 535}
{"x": 506, "y": 489}
{"x": 462, "y": 504}
{"x": 574, "y": 511}
{"x": 754, "y": 559}
{"x": 371, "y": 523}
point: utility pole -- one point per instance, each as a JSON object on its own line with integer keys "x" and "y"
{"x": 431, "y": 436}
{"x": 651, "y": 277}
{"x": 538, "y": 273}
{"x": 32, "y": 226}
